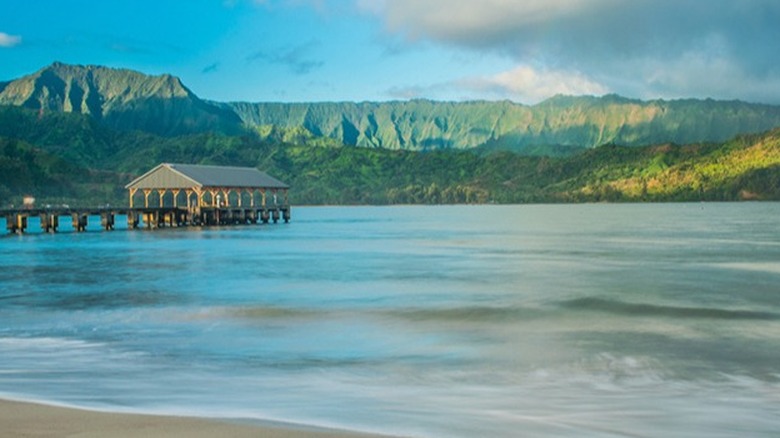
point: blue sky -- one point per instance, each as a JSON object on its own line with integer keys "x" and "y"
{"x": 376, "y": 50}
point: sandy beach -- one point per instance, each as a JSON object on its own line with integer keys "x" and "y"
{"x": 21, "y": 419}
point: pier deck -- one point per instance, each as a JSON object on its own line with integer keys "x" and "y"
{"x": 17, "y": 220}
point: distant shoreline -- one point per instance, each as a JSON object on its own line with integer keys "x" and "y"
{"x": 46, "y": 421}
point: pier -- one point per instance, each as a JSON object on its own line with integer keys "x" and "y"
{"x": 175, "y": 195}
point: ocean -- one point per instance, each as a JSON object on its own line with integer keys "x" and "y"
{"x": 602, "y": 320}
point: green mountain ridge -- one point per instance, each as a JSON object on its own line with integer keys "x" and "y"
{"x": 128, "y": 100}
{"x": 559, "y": 123}
{"x": 120, "y": 98}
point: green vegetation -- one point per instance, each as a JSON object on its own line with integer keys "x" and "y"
{"x": 72, "y": 159}
{"x": 78, "y": 134}
{"x": 557, "y": 127}
{"x": 26, "y": 170}
{"x": 131, "y": 101}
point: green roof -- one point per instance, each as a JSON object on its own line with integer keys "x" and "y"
{"x": 185, "y": 176}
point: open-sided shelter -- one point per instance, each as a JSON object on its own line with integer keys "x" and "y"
{"x": 198, "y": 186}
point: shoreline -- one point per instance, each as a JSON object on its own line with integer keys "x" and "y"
{"x": 39, "y": 420}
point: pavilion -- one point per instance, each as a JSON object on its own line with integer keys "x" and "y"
{"x": 204, "y": 190}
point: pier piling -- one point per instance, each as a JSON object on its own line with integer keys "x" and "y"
{"x": 79, "y": 221}
{"x": 107, "y": 220}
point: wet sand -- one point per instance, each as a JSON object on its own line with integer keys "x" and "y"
{"x": 21, "y": 419}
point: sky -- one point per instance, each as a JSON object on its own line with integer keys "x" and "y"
{"x": 378, "y": 50}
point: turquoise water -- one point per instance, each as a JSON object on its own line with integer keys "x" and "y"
{"x": 543, "y": 320}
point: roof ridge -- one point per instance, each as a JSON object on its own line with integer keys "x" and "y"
{"x": 200, "y": 175}
{"x": 209, "y": 165}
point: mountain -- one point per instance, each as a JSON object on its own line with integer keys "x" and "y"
{"x": 128, "y": 100}
{"x": 559, "y": 124}
{"x": 122, "y": 99}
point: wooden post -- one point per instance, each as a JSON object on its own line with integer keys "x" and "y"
{"x": 107, "y": 220}
{"x": 79, "y": 221}
{"x": 175, "y": 197}
{"x": 132, "y": 220}
{"x": 44, "y": 218}
{"x": 226, "y": 194}
{"x": 49, "y": 222}
{"x": 199, "y": 195}
{"x": 132, "y": 194}
{"x": 147, "y": 192}
{"x": 161, "y": 193}
{"x": 214, "y": 193}
{"x": 19, "y": 224}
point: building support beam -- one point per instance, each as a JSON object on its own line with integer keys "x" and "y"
{"x": 132, "y": 195}
{"x": 161, "y": 195}
{"x": 175, "y": 197}
{"x": 147, "y": 192}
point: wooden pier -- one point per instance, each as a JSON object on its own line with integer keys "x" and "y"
{"x": 175, "y": 195}
{"x": 17, "y": 221}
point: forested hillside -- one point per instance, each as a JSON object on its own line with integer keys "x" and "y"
{"x": 72, "y": 159}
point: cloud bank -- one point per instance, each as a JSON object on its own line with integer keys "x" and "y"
{"x": 522, "y": 84}
{"x": 641, "y": 48}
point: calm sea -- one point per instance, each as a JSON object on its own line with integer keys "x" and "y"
{"x": 648, "y": 320}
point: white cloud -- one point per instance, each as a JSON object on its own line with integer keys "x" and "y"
{"x": 640, "y": 48}
{"x": 529, "y": 85}
{"x": 7, "y": 40}
{"x": 522, "y": 84}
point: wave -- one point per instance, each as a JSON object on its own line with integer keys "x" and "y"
{"x": 767, "y": 267}
{"x": 101, "y": 299}
{"x": 466, "y": 313}
{"x": 269, "y": 312}
{"x": 641, "y": 309}
{"x": 413, "y": 314}
{"x": 14, "y": 296}
{"x": 47, "y": 343}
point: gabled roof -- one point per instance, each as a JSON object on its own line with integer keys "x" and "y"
{"x": 185, "y": 176}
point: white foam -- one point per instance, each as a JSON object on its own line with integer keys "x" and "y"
{"x": 47, "y": 343}
{"x": 770, "y": 267}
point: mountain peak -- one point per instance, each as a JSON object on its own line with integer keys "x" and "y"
{"x": 125, "y": 98}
